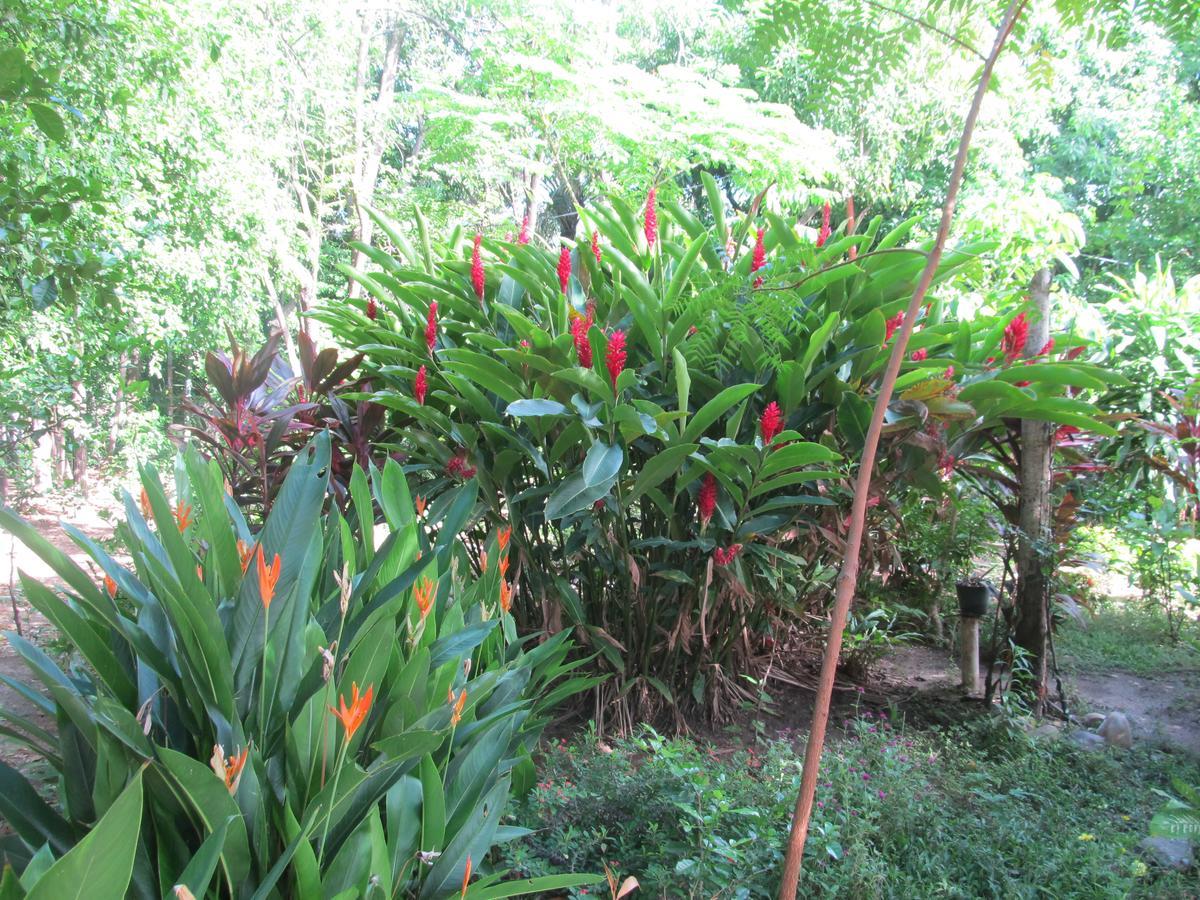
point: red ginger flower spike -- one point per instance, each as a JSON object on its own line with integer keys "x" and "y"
{"x": 949, "y": 373}
{"x": 1016, "y": 333}
{"x": 615, "y": 359}
{"x": 826, "y": 231}
{"x": 920, "y": 355}
{"x": 760, "y": 252}
{"x": 707, "y": 501}
{"x": 579, "y": 334}
{"x": 564, "y": 268}
{"x": 771, "y": 423}
{"x": 650, "y": 222}
{"x": 372, "y": 309}
{"x": 523, "y": 237}
{"x": 723, "y": 556}
{"x": 477, "y": 281}
{"x": 420, "y": 386}
{"x": 596, "y": 246}
{"x": 431, "y": 327}
{"x": 891, "y": 325}
{"x": 760, "y": 257}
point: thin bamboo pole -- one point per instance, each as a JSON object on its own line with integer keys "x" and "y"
{"x": 848, "y": 577}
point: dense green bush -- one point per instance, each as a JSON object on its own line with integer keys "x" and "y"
{"x": 196, "y": 739}
{"x": 973, "y": 812}
{"x": 662, "y": 409}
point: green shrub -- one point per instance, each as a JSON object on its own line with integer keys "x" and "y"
{"x": 610, "y": 398}
{"x": 195, "y": 740}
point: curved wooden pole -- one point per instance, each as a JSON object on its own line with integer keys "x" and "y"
{"x": 848, "y": 577}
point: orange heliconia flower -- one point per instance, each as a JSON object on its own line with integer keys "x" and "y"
{"x": 246, "y": 552}
{"x": 110, "y": 586}
{"x": 505, "y": 596}
{"x": 502, "y": 537}
{"x": 503, "y": 566}
{"x": 483, "y": 563}
{"x": 424, "y": 597}
{"x": 456, "y": 717}
{"x": 229, "y": 768}
{"x": 353, "y": 717}
{"x": 420, "y": 504}
{"x": 466, "y": 876}
{"x": 144, "y": 500}
{"x": 183, "y": 515}
{"x": 268, "y": 577}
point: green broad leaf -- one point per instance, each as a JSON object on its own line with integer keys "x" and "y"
{"x": 30, "y": 816}
{"x": 716, "y": 205}
{"x": 48, "y": 121}
{"x": 433, "y": 806}
{"x": 595, "y": 478}
{"x": 455, "y": 646}
{"x": 1062, "y": 374}
{"x": 792, "y": 456}
{"x": 683, "y": 383}
{"x": 523, "y": 409}
{"x": 1000, "y": 391}
{"x": 208, "y": 800}
{"x": 100, "y": 865}
{"x": 543, "y": 884}
{"x": 658, "y": 469}
{"x": 198, "y": 873}
{"x": 683, "y": 270}
{"x": 853, "y": 419}
{"x": 715, "y": 408}
{"x": 485, "y": 371}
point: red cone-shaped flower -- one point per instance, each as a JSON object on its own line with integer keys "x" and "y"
{"x": 650, "y": 222}
{"x": 760, "y": 252}
{"x": 891, "y": 325}
{"x": 771, "y": 422}
{"x": 477, "y": 281}
{"x": 823, "y": 234}
{"x": 564, "y": 268}
{"x": 372, "y": 309}
{"x": 420, "y": 386}
{"x": 596, "y": 246}
{"x": 615, "y": 359}
{"x": 431, "y": 327}
{"x": 707, "y": 500}
{"x": 579, "y": 334}
{"x": 1016, "y": 333}
{"x": 523, "y": 237}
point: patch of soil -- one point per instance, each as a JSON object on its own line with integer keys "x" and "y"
{"x": 1164, "y": 710}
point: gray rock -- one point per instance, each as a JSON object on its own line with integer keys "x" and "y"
{"x": 1046, "y": 730}
{"x": 1169, "y": 853}
{"x": 1091, "y": 720}
{"x": 1116, "y": 730}
{"x": 1086, "y": 740}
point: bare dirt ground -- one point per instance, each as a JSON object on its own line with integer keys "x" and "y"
{"x": 1163, "y": 710}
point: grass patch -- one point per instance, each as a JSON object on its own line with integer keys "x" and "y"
{"x": 974, "y": 812}
{"x": 1132, "y": 639}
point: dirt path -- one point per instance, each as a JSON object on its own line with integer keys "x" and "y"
{"x": 1164, "y": 710}
{"x": 95, "y": 519}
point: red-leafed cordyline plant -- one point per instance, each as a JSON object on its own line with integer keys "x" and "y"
{"x": 848, "y": 577}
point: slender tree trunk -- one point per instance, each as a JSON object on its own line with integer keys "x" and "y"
{"x": 170, "y": 386}
{"x": 114, "y": 424}
{"x": 1033, "y": 547}
{"x": 58, "y": 446}
{"x": 281, "y": 318}
{"x": 847, "y": 581}
{"x": 79, "y": 438}
{"x": 371, "y": 132}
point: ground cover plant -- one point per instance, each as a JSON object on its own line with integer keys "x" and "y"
{"x": 298, "y": 711}
{"x": 900, "y": 813}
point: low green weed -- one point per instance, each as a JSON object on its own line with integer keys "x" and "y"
{"x": 972, "y": 812}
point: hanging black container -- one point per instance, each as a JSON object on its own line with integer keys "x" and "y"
{"x": 972, "y": 599}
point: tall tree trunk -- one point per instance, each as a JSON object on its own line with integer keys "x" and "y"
{"x": 370, "y": 128}
{"x": 79, "y": 438}
{"x": 58, "y": 447}
{"x": 114, "y": 423}
{"x": 1033, "y": 547}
